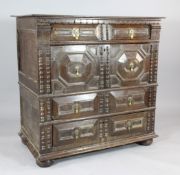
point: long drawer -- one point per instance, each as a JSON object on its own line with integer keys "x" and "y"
{"x": 93, "y": 131}
{"x": 101, "y": 32}
{"x": 77, "y": 68}
{"x": 105, "y": 102}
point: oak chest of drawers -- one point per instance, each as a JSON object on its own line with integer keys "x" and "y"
{"x": 86, "y": 83}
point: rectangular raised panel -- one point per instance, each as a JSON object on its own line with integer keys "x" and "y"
{"x": 74, "y": 134}
{"x": 75, "y": 106}
{"x": 137, "y": 123}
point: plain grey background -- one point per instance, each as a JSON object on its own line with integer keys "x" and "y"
{"x": 162, "y": 157}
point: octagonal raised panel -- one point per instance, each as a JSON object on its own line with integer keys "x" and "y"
{"x": 75, "y": 68}
{"x": 130, "y": 64}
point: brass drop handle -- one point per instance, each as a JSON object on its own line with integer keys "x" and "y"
{"x": 130, "y": 101}
{"x": 76, "y": 108}
{"x": 77, "y": 71}
{"x": 131, "y": 33}
{"x": 129, "y": 125}
{"x": 131, "y": 67}
{"x": 76, "y": 33}
{"x": 76, "y": 133}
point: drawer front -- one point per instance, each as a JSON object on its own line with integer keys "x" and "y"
{"x": 100, "y": 32}
{"x": 127, "y": 100}
{"x": 117, "y": 101}
{"x": 75, "y": 68}
{"x": 128, "y": 125}
{"x": 75, "y": 134}
{"x": 75, "y": 106}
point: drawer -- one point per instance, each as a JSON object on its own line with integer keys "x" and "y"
{"x": 78, "y": 68}
{"x": 128, "y": 125}
{"x": 75, "y": 106}
{"x": 75, "y": 134}
{"x": 98, "y": 32}
{"x": 81, "y": 133}
{"x": 95, "y": 104}
{"x": 128, "y": 100}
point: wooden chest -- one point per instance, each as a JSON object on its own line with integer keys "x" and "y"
{"x": 86, "y": 83}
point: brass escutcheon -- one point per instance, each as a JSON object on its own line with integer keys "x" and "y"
{"x": 76, "y": 33}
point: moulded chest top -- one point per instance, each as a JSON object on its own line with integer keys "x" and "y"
{"x": 90, "y": 17}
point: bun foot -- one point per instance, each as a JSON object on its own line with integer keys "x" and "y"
{"x": 146, "y": 142}
{"x": 23, "y": 138}
{"x": 45, "y": 163}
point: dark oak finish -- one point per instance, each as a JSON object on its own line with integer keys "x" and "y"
{"x": 86, "y": 83}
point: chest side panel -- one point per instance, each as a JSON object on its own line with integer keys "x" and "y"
{"x": 27, "y": 53}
